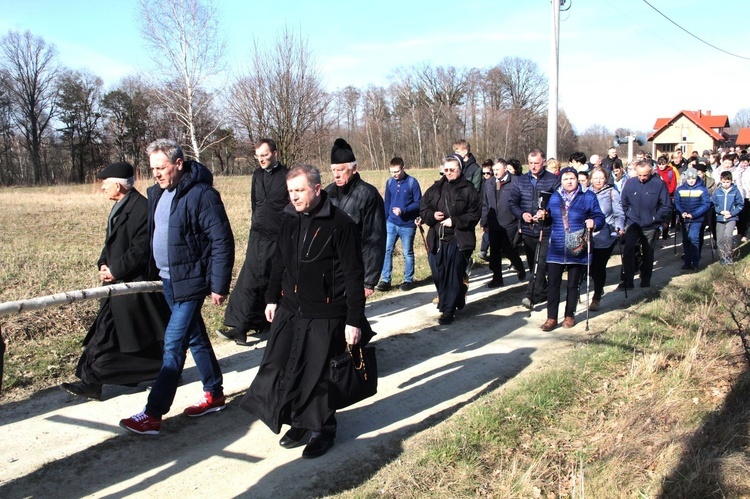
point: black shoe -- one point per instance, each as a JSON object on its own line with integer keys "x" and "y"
{"x": 317, "y": 446}
{"x": 626, "y": 285}
{"x": 293, "y": 438}
{"x": 407, "y": 286}
{"x": 81, "y": 389}
{"x": 446, "y": 318}
{"x": 383, "y": 286}
{"x": 495, "y": 283}
{"x": 237, "y": 335}
{"x": 521, "y": 275}
{"x": 645, "y": 284}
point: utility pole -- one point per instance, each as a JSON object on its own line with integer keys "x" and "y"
{"x": 553, "y": 81}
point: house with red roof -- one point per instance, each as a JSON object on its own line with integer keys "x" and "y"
{"x": 690, "y": 131}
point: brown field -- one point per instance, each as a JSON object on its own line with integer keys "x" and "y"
{"x": 51, "y": 238}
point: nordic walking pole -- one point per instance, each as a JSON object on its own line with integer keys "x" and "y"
{"x": 711, "y": 243}
{"x": 536, "y": 264}
{"x": 588, "y": 275}
{"x": 677, "y": 225}
{"x": 622, "y": 260}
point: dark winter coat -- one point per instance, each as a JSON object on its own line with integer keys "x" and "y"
{"x": 496, "y": 214}
{"x": 458, "y": 201}
{"x": 201, "y": 243}
{"x": 140, "y": 319}
{"x": 364, "y": 204}
{"x": 473, "y": 172}
{"x": 694, "y": 200}
{"x": 524, "y": 198}
{"x": 318, "y": 272}
{"x": 646, "y": 204}
{"x": 585, "y": 205}
{"x": 268, "y": 197}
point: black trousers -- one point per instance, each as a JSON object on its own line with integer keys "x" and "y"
{"x": 599, "y": 260}
{"x": 555, "y": 272}
{"x": 501, "y": 245}
{"x": 636, "y": 237}
{"x": 536, "y": 290}
{"x": 247, "y": 302}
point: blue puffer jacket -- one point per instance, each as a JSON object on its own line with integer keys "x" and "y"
{"x": 201, "y": 243}
{"x": 584, "y": 206}
{"x": 693, "y": 200}
{"x": 524, "y": 198}
{"x": 730, "y": 201}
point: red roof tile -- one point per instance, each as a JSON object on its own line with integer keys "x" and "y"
{"x": 705, "y": 122}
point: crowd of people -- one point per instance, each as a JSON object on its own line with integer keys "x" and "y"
{"x": 315, "y": 254}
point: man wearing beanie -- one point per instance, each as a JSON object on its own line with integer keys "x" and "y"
{"x": 364, "y": 204}
{"x": 123, "y": 345}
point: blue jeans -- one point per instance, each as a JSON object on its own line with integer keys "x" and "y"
{"x": 394, "y": 232}
{"x": 692, "y": 235}
{"x": 185, "y": 330}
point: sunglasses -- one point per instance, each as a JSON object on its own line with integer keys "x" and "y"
{"x": 487, "y": 173}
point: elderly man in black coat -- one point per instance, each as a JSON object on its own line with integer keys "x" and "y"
{"x": 124, "y": 345}
{"x": 316, "y": 303}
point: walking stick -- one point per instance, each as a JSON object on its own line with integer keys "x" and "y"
{"x": 542, "y": 202}
{"x": 711, "y": 243}
{"x": 418, "y": 221}
{"x": 677, "y": 224}
{"x": 536, "y": 263}
{"x": 588, "y": 276}
{"x": 622, "y": 265}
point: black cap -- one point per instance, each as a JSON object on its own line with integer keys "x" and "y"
{"x": 341, "y": 152}
{"x": 120, "y": 169}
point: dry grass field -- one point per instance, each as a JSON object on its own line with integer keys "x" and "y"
{"x": 50, "y": 240}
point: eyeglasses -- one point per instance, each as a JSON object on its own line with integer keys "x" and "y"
{"x": 450, "y": 169}
{"x": 486, "y": 174}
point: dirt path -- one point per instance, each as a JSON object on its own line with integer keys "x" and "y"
{"x": 55, "y": 445}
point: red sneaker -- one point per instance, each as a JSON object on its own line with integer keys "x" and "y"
{"x": 142, "y": 424}
{"x": 206, "y": 405}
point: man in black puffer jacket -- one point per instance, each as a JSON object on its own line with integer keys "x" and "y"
{"x": 193, "y": 248}
{"x": 527, "y": 199}
{"x": 364, "y": 204}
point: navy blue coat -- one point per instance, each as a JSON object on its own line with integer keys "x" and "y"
{"x": 585, "y": 205}
{"x": 201, "y": 243}
{"x": 524, "y": 198}
{"x": 646, "y": 204}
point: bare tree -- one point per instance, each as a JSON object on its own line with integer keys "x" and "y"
{"x": 281, "y": 96}
{"x": 78, "y": 102}
{"x": 31, "y": 68}
{"x": 741, "y": 120}
{"x": 188, "y": 51}
{"x": 126, "y": 110}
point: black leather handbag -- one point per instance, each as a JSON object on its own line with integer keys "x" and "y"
{"x": 354, "y": 376}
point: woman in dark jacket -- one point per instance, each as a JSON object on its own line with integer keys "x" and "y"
{"x": 451, "y": 208}
{"x": 573, "y": 212}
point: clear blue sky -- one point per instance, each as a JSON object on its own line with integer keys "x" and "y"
{"x": 621, "y": 63}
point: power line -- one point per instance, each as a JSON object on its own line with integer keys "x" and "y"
{"x": 691, "y": 34}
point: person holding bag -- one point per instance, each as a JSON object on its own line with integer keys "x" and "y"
{"x": 316, "y": 306}
{"x": 573, "y": 212}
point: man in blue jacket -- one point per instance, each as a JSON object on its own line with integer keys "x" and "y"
{"x": 692, "y": 202}
{"x": 648, "y": 208}
{"x": 402, "y": 197}
{"x": 193, "y": 247}
{"x": 527, "y": 201}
